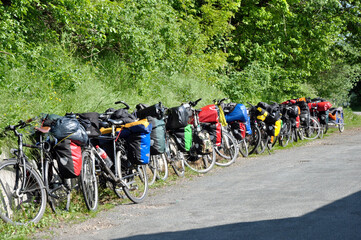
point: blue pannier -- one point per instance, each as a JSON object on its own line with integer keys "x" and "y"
{"x": 239, "y": 113}
{"x": 248, "y": 126}
{"x": 139, "y": 146}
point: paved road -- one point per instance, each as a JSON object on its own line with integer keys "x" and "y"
{"x": 308, "y": 192}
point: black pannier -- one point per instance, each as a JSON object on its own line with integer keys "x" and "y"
{"x": 68, "y": 154}
{"x": 156, "y": 111}
{"x": 124, "y": 115}
{"x": 178, "y": 117}
{"x": 274, "y": 113}
{"x": 70, "y": 128}
{"x": 90, "y": 122}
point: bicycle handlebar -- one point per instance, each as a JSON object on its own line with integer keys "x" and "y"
{"x": 193, "y": 104}
{"x": 219, "y": 101}
{"x": 124, "y": 103}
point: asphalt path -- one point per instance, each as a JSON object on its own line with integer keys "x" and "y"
{"x": 307, "y": 192}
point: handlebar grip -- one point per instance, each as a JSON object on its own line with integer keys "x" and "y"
{"x": 122, "y": 102}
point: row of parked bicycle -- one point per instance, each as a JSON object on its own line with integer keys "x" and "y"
{"x": 127, "y": 152}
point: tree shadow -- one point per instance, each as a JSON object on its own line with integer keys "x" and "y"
{"x": 338, "y": 220}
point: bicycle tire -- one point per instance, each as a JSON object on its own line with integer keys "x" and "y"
{"x": 31, "y": 204}
{"x": 175, "y": 157}
{"x": 254, "y": 139}
{"x": 151, "y": 169}
{"x": 263, "y": 143}
{"x": 201, "y": 163}
{"x": 313, "y": 131}
{"x": 243, "y": 148}
{"x": 162, "y": 167}
{"x": 285, "y": 135}
{"x": 136, "y": 179}
{"x": 58, "y": 194}
{"x": 227, "y": 150}
{"x": 89, "y": 184}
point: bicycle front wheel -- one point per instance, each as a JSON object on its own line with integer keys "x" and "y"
{"x": 89, "y": 182}
{"x": 227, "y": 151}
{"x": 18, "y": 205}
{"x": 201, "y": 163}
{"x": 162, "y": 167}
{"x": 137, "y": 183}
{"x": 175, "y": 157}
{"x": 151, "y": 170}
{"x": 253, "y": 140}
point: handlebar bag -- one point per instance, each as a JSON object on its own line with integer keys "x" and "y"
{"x": 68, "y": 154}
{"x": 209, "y": 114}
{"x": 178, "y": 117}
{"x": 239, "y": 113}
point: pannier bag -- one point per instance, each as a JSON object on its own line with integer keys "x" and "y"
{"x": 305, "y": 119}
{"x": 156, "y": 111}
{"x": 298, "y": 121}
{"x": 323, "y": 117}
{"x": 261, "y": 114}
{"x": 139, "y": 148}
{"x": 157, "y": 136}
{"x": 248, "y": 126}
{"x": 274, "y": 129}
{"x": 178, "y": 117}
{"x": 238, "y": 130}
{"x": 138, "y": 142}
{"x": 273, "y": 113}
{"x": 69, "y": 157}
{"x": 183, "y": 138}
{"x": 90, "y": 122}
{"x": 209, "y": 114}
{"x": 321, "y": 106}
{"x": 215, "y": 132}
{"x": 289, "y": 102}
{"x": 202, "y": 142}
{"x": 70, "y": 128}
{"x": 239, "y": 113}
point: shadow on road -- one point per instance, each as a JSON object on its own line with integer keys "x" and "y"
{"x": 338, "y": 220}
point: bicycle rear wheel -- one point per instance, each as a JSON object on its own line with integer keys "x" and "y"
{"x": 227, "y": 151}
{"x": 21, "y": 206}
{"x": 314, "y": 129}
{"x": 89, "y": 184}
{"x": 137, "y": 183}
{"x": 175, "y": 157}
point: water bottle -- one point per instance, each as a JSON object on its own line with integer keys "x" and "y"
{"x": 104, "y": 156}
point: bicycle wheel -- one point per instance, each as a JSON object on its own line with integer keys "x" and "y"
{"x": 228, "y": 150}
{"x": 253, "y": 140}
{"x": 341, "y": 124}
{"x": 175, "y": 157}
{"x": 313, "y": 131}
{"x": 58, "y": 188}
{"x": 137, "y": 183}
{"x": 162, "y": 167}
{"x": 285, "y": 135}
{"x": 243, "y": 147}
{"x": 263, "y": 143}
{"x": 89, "y": 184}
{"x": 151, "y": 170}
{"x": 21, "y": 206}
{"x": 201, "y": 163}
{"x": 294, "y": 134}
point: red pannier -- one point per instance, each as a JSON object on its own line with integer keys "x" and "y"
{"x": 209, "y": 114}
{"x": 292, "y": 101}
{"x": 69, "y": 156}
{"x": 298, "y": 121}
{"x": 321, "y": 106}
{"x": 238, "y": 129}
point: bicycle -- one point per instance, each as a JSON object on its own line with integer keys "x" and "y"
{"x": 202, "y": 156}
{"x": 123, "y": 176}
{"x": 26, "y": 185}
